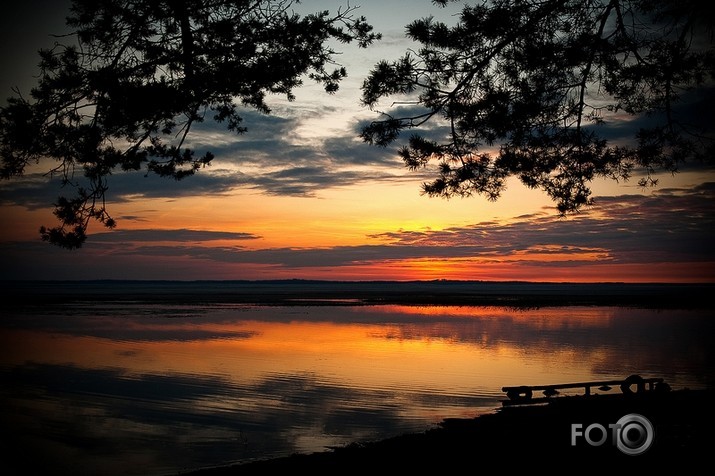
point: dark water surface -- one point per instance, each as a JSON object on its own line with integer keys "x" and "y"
{"x": 139, "y": 386}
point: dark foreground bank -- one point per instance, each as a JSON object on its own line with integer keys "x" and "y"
{"x": 546, "y": 438}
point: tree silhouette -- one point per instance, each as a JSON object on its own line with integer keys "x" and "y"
{"x": 124, "y": 89}
{"x": 526, "y": 88}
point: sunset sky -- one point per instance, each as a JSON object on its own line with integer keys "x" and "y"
{"x": 300, "y": 196}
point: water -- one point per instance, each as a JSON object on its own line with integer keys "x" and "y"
{"x": 135, "y": 387}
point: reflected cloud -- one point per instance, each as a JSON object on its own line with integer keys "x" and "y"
{"x": 167, "y": 423}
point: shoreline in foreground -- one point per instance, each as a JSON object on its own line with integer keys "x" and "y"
{"x": 529, "y": 437}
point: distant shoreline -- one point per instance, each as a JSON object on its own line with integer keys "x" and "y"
{"x": 296, "y": 292}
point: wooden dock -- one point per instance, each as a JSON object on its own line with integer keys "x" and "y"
{"x": 632, "y": 385}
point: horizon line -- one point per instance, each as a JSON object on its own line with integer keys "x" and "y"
{"x": 357, "y": 281}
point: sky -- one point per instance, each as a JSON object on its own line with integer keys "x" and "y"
{"x": 299, "y": 196}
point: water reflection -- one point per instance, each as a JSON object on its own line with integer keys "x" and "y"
{"x": 150, "y": 389}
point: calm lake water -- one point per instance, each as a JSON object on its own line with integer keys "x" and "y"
{"x": 146, "y": 388}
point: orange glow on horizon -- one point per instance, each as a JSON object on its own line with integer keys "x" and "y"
{"x": 370, "y": 231}
{"x": 475, "y": 270}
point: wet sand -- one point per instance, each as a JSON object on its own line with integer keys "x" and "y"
{"x": 535, "y": 438}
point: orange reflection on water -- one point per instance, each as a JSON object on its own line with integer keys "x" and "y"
{"x": 433, "y": 357}
{"x": 537, "y": 318}
{"x": 314, "y": 375}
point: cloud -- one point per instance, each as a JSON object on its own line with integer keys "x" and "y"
{"x": 351, "y": 151}
{"x": 670, "y": 225}
{"x": 179, "y": 411}
{"x": 273, "y": 158}
{"x": 33, "y": 191}
{"x": 310, "y": 180}
{"x": 673, "y": 225}
{"x": 174, "y": 235}
{"x": 270, "y": 158}
{"x": 303, "y": 257}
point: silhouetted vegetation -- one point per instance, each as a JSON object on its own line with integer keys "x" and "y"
{"x": 123, "y": 91}
{"x": 529, "y": 89}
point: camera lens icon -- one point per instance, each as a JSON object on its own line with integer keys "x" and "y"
{"x": 634, "y": 434}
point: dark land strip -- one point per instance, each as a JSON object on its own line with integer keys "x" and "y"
{"x": 306, "y": 292}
